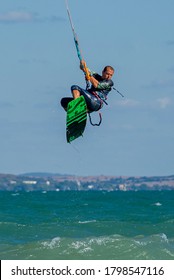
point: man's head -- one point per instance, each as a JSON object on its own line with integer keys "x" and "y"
{"x": 107, "y": 72}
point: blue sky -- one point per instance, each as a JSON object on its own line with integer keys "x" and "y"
{"x": 39, "y": 64}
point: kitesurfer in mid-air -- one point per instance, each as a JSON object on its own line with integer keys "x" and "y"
{"x": 96, "y": 95}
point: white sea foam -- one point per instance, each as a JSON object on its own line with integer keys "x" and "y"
{"x": 157, "y": 204}
{"x": 87, "y": 222}
{"x": 141, "y": 243}
{"x": 164, "y": 237}
{"x": 85, "y": 250}
{"x": 81, "y": 246}
{"x": 77, "y": 244}
{"x": 55, "y": 242}
{"x": 168, "y": 252}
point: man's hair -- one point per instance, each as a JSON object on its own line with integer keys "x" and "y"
{"x": 106, "y": 67}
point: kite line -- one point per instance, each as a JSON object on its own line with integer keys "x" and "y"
{"x": 79, "y": 54}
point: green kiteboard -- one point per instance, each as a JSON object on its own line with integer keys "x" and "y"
{"x": 76, "y": 118}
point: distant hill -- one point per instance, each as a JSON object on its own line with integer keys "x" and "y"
{"x": 35, "y": 181}
{"x": 42, "y": 174}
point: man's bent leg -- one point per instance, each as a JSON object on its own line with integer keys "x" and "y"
{"x": 75, "y": 93}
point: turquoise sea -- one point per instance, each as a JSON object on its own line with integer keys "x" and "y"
{"x": 87, "y": 225}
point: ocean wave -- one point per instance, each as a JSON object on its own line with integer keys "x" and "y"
{"x": 54, "y": 243}
{"x": 114, "y": 247}
{"x": 156, "y": 238}
{"x": 87, "y": 222}
{"x": 15, "y": 194}
{"x": 12, "y": 224}
{"x": 110, "y": 247}
{"x": 157, "y": 204}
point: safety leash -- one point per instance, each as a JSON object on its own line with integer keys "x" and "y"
{"x": 100, "y": 115}
{"x": 95, "y": 124}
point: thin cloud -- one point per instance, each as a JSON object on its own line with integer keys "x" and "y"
{"x": 21, "y": 17}
{"x": 171, "y": 69}
{"x": 160, "y": 103}
{"x": 34, "y": 60}
{"x": 161, "y": 84}
{"x": 15, "y": 16}
{"x": 128, "y": 103}
{"x": 164, "y": 102}
{"x": 5, "y": 105}
{"x": 170, "y": 43}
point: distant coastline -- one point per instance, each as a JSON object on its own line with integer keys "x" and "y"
{"x": 58, "y": 182}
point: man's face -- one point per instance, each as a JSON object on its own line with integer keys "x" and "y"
{"x": 107, "y": 75}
